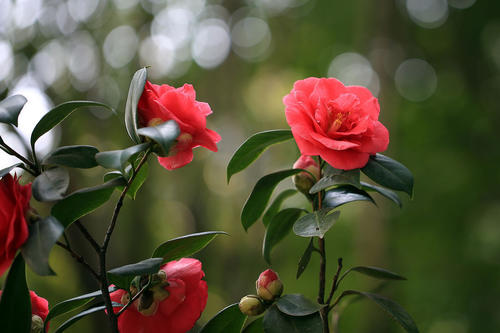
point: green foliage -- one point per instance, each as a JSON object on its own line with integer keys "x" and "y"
{"x": 305, "y": 258}
{"x": 344, "y": 194}
{"x": 5, "y": 171}
{"x": 68, "y": 323}
{"x": 375, "y": 272}
{"x": 163, "y": 134}
{"x": 389, "y": 173}
{"x": 136, "y": 185}
{"x": 251, "y": 149}
{"x": 258, "y": 199}
{"x": 122, "y": 276}
{"x": 337, "y": 177}
{"x": 278, "y": 228}
{"x": 296, "y": 305}
{"x": 276, "y": 205}
{"x": 134, "y": 94}
{"x": 43, "y": 234}
{"x": 185, "y": 246}
{"x": 15, "y": 303}
{"x": 391, "y": 195}
{"x": 255, "y": 326}
{"x": 229, "y": 319}
{"x": 50, "y": 185}
{"x": 276, "y": 321}
{"x": 82, "y": 157}
{"x": 315, "y": 224}
{"x": 10, "y": 108}
{"x": 118, "y": 159}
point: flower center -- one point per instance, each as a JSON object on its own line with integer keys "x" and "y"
{"x": 155, "y": 122}
{"x": 339, "y": 113}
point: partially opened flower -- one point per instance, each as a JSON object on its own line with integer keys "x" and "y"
{"x": 173, "y": 304}
{"x": 14, "y": 205}
{"x": 161, "y": 103}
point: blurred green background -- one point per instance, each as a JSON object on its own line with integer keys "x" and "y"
{"x": 434, "y": 64}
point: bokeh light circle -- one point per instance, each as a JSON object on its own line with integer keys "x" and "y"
{"x": 415, "y": 80}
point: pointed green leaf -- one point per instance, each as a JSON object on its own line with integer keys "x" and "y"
{"x": 393, "y": 196}
{"x": 253, "y": 147}
{"x": 392, "y": 308}
{"x": 5, "y": 171}
{"x": 276, "y": 321}
{"x": 375, "y": 272}
{"x": 68, "y": 323}
{"x": 50, "y": 185}
{"x": 278, "y": 228}
{"x": 82, "y": 157}
{"x": 134, "y": 94}
{"x": 10, "y": 108}
{"x": 15, "y": 303}
{"x": 257, "y": 202}
{"x": 344, "y": 194}
{"x": 58, "y": 114}
{"x": 185, "y": 246}
{"x": 118, "y": 159}
{"x": 164, "y": 134}
{"x": 315, "y": 224}
{"x": 276, "y": 205}
{"x": 255, "y": 326}
{"x": 136, "y": 185}
{"x": 306, "y": 257}
{"x": 341, "y": 177}
{"x": 84, "y": 201}
{"x": 230, "y": 319}
{"x": 122, "y": 276}
{"x": 43, "y": 234}
{"x": 296, "y": 305}
{"x": 389, "y": 173}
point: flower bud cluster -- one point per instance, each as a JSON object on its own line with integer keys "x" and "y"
{"x": 269, "y": 287}
{"x": 305, "y": 180}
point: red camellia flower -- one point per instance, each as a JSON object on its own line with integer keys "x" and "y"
{"x": 269, "y": 285}
{"x": 337, "y": 122}
{"x": 173, "y": 304}
{"x": 39, "y": 311}
{"x": 161, "y": 103}
{"x": 14, "y": 203}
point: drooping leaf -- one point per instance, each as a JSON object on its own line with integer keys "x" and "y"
{"x": 278, "y": 228}
{"x": 393, "y": 196}
{"x": 315, "y": 224}
{"x": 305, "y": 258}
{"x": 255, "y": 326}
{"x": 58, "y": 114}
{"x": 50, "y": 185}
{"x": 185, "y": 246}
{"x": 84, "y": 201}
{"x": 392, "y": 308}
{"x": 118, "y": 159}
{"x": 375, "y": 272}
{"x": 340, "y": 177}
{"x": 164, "y": 134}
{"x": 122, "y": 276}
{"x": 15, "y": 303}
{"x": 134, "y": 94}
{"x": 344, "y": 194}
{"x": 389, "y": 173}
{"x": 82, "y": 314}
{"x": 276, "y": 205}
{"x": 10, "y": 108}
{"x": 230, "y": 319}
{"x": 258, "y": 199}
{"x": 5, "y": 171}
{"x": 276, "y": 321}
{"x": 297, "y": 305}
{"x": 253, "y": 147}
{"x": 36, "y": 250}
{"x": 82, "y": 157}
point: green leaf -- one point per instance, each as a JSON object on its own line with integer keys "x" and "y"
{"x": 277, "y": 322}
{"x": 10, "y": 108}
{"x": 306, "y": 257}
{"x": 376, "y": 272}
{"x": 122, "y": 276}
{"x": 276, "y": 205}
{"x": 393, "y": 196}
{"x": 253, "y": 147}
{"x": 72, "y": 304}
{"x": 392, "y": 308}
{"x": 315, "y": 224}
{"x": 134, "y": 94}
{"x": 278, "y": 228}
{"x": 43, "y": 234}
{"x": 15, "y": 303}
{"x": 163, "y": 134}
{"x": 5, "y": 171}
{"x": 118, "y": 159}
{"x": 58, "y": 114}
{"x": 344, "y": 194}
{"x": 82, "y": 157}
{"x": 185, "y": 246}
{"x": 389, "y": 173}
{"x": 258, "y": 199}
{"x": 50, "y": 185}
{"x": 230, "y": 319}
{"x": 82, "y": 314}
{"x": 297, "y": 305}
{"x": 341, "y": 177}
{"x": 84, "y": 201}
{"x": 255, "y": 326}
{"x": 136, "y": 185}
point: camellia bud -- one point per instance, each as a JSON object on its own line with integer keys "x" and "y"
{"x": 269, "y": 285}
{"x": 36, "y": 324}
{"x": 304, "y": 181}
{"x": 251, "y": 305}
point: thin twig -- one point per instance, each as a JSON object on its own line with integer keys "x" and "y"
{"x": 335, "y": 279}
{"x": 79, "y": 259}
{"x": 136, "y": 296}
{"x": 12, "y": 152}
{"x": 87, "y": 236}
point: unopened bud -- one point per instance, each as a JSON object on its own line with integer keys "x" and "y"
{"x": 269, "y": 285}
{"x": 251, "y": 305}
{"x": 304, "y": 181}
{"x": 36, "y": 324}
